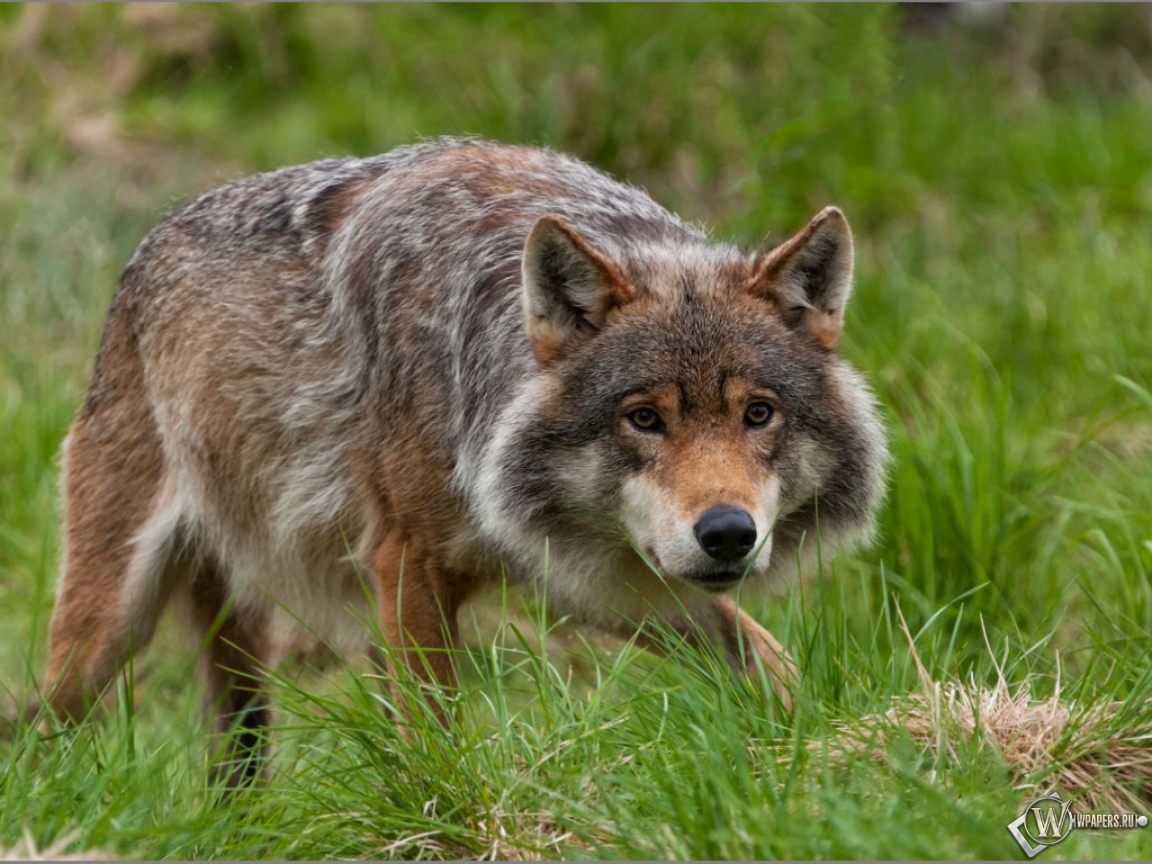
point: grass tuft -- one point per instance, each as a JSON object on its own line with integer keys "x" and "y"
{"x": 1098, "y": 753}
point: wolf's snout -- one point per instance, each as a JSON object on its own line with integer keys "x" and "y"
{"x": 726, "y": 533}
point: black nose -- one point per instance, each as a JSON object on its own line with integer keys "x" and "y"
{"x": 726, "y": 533}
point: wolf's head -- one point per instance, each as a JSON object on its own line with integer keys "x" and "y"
{"x": 691, "y": 403}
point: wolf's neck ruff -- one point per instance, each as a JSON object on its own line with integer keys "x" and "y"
{"x": 433, "y": 367}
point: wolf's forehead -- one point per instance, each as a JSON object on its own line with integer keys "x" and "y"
{"x": 675, "y": 271}
{"x": 707, "y": 382}
{"x": 699, "y": 344}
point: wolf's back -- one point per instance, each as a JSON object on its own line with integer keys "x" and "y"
{"x": 417, "y": 250}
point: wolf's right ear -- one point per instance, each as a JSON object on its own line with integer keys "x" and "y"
{"x": 569, "y": 288}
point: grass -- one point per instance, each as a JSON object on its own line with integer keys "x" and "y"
{"x": 999, "y": 186}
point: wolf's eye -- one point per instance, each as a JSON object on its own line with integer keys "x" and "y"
{"x": 646, "y": 420}
{"x": 758, "y": 414}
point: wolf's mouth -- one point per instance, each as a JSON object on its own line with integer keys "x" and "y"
{"x": 716, "y": 580}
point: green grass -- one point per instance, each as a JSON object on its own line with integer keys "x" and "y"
{"x": 999, "y": 182}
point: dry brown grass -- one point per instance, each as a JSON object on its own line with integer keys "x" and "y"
{"x": 26, "y": 850}
{"x": 1099, "y": 755}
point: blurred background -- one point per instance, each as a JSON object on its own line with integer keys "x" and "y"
{"x": 995, "y": 162}
{"x": 725, "y": 109}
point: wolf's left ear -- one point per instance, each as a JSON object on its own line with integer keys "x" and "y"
{"x": 809, "y": 277}
{"x": 569, "y": 288}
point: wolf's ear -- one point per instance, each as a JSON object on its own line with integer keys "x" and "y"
{"x": 569, "y": 288}
{"x": 809, "y": 277}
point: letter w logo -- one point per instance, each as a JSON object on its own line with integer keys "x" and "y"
{"x": 1052, "y": 825}
{"x": 1048, "y": 822}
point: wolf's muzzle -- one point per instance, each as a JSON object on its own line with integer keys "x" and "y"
{"x": 726, "y": 533}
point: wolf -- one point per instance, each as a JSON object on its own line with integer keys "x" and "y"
{"x": 451, "y": 364}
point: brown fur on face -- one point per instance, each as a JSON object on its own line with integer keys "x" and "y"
{"x": 709, "y": 455}
{"x": 694, "y": 461}
{"x": 420, "y": 371}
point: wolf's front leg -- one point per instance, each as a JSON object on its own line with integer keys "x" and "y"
{"x": 418, "y": 605}
{"x": 742, "y": 641}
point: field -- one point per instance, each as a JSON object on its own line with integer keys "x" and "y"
{"x": 993, "y": 647}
